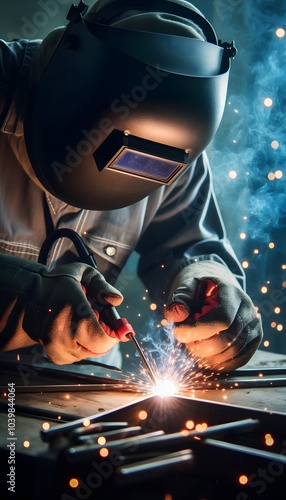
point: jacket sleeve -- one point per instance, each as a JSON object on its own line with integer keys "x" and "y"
{"x": 15, "y": 66}
{"x": 8, "y": 75}
{"x": 187, "y": 227}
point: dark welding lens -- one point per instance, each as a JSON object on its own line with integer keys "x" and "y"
{"x": 146, "y": 165}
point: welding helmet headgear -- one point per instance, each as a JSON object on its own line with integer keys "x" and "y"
{"x": 119, "y": 112}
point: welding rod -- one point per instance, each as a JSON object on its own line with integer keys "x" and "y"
{"x": 66, "y": 428}
{"x": 170, "y": 463}
{"x": 109, "y": 435}
{"x": 124, "y": 331}
{"x": 131, "y": 444}
{"x": 95, "y": 387}
{"x": 90, "y": 430}
{"x": 142, "y": 355}
{"x": 161, "y": 441}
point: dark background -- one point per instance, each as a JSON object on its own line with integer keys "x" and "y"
{"x": 252, "y": 204}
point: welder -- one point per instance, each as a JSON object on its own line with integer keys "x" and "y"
{"x": 104, "y": 127}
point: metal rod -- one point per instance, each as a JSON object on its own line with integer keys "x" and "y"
{"x": 110, "y": 435}
{"x": 122, "y": 387}
{"x": 160, "y": 441}
{"x": 255, "y": 372}
{"x": 65, "y": 429}
{"x": 240, "y": 383}
{"x": 85, "y": 452}
{"x": 170, "y": 463}
{"x": 90, "y": 430}
{"x": 143, "y": 357}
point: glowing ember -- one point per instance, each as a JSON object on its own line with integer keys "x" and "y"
{"x": 243, "y": 479}
{"x": 101, "y": 440}
{"x": 46, "y": 425}
{"x": 142, "y": 415}
{"x": 165, "y": 388}
{"x": 280, "y": 32}
{"x": 73, "y": 482}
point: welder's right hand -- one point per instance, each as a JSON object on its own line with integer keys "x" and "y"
{"x": 51, "y": 308}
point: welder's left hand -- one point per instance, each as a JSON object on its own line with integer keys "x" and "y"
{"x": 213, "y": 316}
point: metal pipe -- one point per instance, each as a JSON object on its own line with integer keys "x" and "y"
{"x": 110, "y": 435}
{"x": 63, "y": 430}
{"x": 122, "y": 387}
{"x": 160, "y": 441}
{"x": 85, "y": 452}
{"x": 151, "y": 468}
{"x": 86, "y": 431}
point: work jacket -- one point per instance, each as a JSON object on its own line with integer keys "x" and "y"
{"x": 167, "y": 230}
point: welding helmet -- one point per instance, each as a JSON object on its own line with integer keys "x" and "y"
{"x": 119, "y": 112}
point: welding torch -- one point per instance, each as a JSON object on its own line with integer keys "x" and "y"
{"x": 120, "y": 327}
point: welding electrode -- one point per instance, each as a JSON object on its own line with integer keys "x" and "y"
{"x": 124, "y": 331}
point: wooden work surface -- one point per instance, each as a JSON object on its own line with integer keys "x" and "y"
{"x": 81, "y": 403}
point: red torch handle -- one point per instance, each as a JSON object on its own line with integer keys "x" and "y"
{"x": 109, "y": 315}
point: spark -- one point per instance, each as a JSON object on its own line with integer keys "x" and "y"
{"x": 174, "y": 368}
{"x": 280, "y": 32}
{"x": 232, "y": 174}
{"x": 275, "y": 144}
{"x": 73, "y": 482}
{"x": 268, "y": 102}
{"x": 142, "y": 415}
{"x": 165, "y": 388}
{"x": 278, "y": 174}
{"x": 243, "y": 479}
{"x": 46, "y": 425}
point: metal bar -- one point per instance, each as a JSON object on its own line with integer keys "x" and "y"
{"x": 86, "y": 452}
{"x": 240, "y": 383}
{"x": 162, "y": 465}
{"x": 89, "y": 431}
{"x": 170, "y": 442}
{"x": 254, "y": 372}
{"x": 109, "y": 435}
{"x": 144, "y": 359}
{"x": 122, "y": 387}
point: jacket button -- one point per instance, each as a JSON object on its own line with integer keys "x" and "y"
{"x": 110, "y": 250}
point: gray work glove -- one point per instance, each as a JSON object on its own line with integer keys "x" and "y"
{"x": 213, "y": 316}
{"x": 51, "y": 308}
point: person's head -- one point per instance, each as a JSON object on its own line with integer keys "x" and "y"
{"x": 123, "y": 100}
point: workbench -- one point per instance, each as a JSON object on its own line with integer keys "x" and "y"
{"x": 256, "y": 391}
